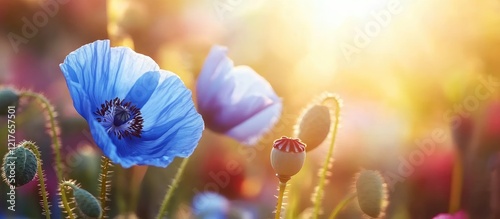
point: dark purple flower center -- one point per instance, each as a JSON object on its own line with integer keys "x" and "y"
{"x": 120, "y": 118}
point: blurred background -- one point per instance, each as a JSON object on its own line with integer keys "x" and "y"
{"x": 419, "y": 80}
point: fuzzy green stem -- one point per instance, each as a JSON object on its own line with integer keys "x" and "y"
{"x": 41, "y": 177}
{"x": 70, "y": 184}
{"x": 175, "y": 183}
{"x": 293, "y": 202}
{"x": 104, "y": 186}
{"x": 341, "y": 205}
{"x": 55, "y": 141}
{"x": 282, "y": 188}
{"x": 53, "y": 128}
{"x": 456, "y": 184}
{"x": 324, "y": 170}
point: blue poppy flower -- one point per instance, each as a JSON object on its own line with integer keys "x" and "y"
{"x": 138, "y": 114}
{"x": 210, "y": 205}
{"x": 235, "y": 101}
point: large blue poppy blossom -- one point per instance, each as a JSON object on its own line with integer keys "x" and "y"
{"x": 235, "y": 101}
{"x": 138, "y": 114}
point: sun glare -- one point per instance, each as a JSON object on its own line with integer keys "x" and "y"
{"x": 333, "y": 13}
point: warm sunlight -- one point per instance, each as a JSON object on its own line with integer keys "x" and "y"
{"x": 333, "y": 13}
{"x": 213, "y": 109}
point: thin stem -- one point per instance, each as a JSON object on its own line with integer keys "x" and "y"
{"x": 326, "y": 165}
{"x": 292, "y": 203}
{"x": 456, "y": 184}
{"x": 342, "y": 204}
{"x": 104, "y": 188}
{"x": 62, "y": 188}
{"x": 54, "y": 134}
{"x": 280, "y": 200}
{"x": 70, "y": 184}
{"x": 41, "y": 177}
{"x": 170, "y": 192}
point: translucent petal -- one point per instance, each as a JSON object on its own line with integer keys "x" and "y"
{"x": 103, "y": 72}
{"x": 228, "y": 97}
{"x": 249, "y": 131}
{"x": 172, "y": 126}
{"x": 143, "y": 88}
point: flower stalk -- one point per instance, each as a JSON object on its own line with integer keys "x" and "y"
{"x": 104, "y": 183}
{"x": 456, "y": 184}
{"x": 279, "y": 205}
{"x": 341, "y": 205}
{"x": 328, "y": 161}
{"x": 175, "y": 183}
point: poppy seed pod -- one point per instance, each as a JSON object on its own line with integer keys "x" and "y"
{"x": 371, "y": 192}
{"x": 287, "y": 157}
{"x": 313, "y": 126}
{"x": 19, "y": 166}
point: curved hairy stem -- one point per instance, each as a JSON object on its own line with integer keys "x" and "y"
{"x": 175, "y": 183}
{"x": 341, "y": 205}
{"x": 327, "y": 164}
{"x": 41, "y": 178}
{"x": 53, "y": 131}
{"x": 52, "y": 126}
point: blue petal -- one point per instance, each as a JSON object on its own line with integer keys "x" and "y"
{"x": 126, "y": 67}
{"x": 213, "y": 76}
{"x": 172, "y": 127}
{"x": 229, "y": 97}
{"x": 245, "y": 94}
{"x": 81, "y": 101}
{"x": 250, "y": 131}
{"x": 143, "y": 88}
{"x": 103, "y": 72}
{"x": 88, "y": 66}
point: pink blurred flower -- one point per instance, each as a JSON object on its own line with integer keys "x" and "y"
{"x": 458, "y": 215}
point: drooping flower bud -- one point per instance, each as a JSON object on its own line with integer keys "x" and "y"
{"x": 8, "y": 98}
{"x": 313, "y": 126}
{"x": 19, "y": 166}
{"x": 86, "y": 203}
{"x": 372, "y": 193}
{"x": 287, "y": 157}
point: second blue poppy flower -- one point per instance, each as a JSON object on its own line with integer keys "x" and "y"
{"x": 235, "y": 101}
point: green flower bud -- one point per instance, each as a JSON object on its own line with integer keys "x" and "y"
{"x": 8, "y": 97}
{"x": 19, "y": 166}
{"x": 313, "y": 126}
{"x": 86, "y": 202}
{"x": 372, "y": 193}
